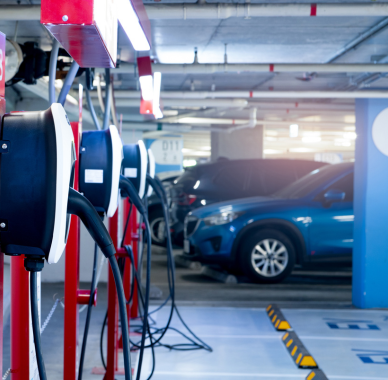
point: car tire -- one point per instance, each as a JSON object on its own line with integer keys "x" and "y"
{"x": 267, "y": 257}
{"x": 158, "y": 234}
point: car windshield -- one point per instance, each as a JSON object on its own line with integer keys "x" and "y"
{"x": 305, "y": 185}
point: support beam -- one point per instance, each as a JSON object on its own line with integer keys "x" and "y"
{"x": 224, "y": 11}
{"x": 180, "y": 95}
{"x": 213, "y": 68}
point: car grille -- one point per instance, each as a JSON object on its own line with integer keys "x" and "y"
{"x": 191, "y": 223}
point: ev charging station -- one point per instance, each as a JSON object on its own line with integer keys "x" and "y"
{"x": 2, "y": 112}
{"x": 53, "y": 174}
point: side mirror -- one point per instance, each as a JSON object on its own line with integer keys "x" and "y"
{"x": 334, "y": 195}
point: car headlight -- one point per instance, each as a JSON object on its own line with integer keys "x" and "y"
{"x": 221, "y": 218}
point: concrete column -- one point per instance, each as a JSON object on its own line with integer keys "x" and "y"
{"x": 370, "y": 253}
{"x": 242, "y": 144}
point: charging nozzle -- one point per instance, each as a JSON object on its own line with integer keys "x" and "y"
{"x": 127, "y": 187}
{"x": 80, "y": 206}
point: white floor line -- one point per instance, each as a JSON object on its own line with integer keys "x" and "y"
{"x": 333, "y": 377}
{"x": 343, "y": 338}
{"x": 235, "y": 375}
{"x": 202, "y": 336}
{"x": 279, "y": 336}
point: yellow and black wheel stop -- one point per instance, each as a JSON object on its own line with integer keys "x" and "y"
{"x": 298, "y": 352}
{"x": 277, "y": 318}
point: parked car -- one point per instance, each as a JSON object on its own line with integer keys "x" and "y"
{"x": 231, "y": 179}
{"x": 309, "y": 221}
{"x": 155, "y": 212}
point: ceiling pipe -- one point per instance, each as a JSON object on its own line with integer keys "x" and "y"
{"x": 242, "y": 123}
{"x": 381, "y": 25}
{"x": 212, "y": 68}
{"x": 200, "y": 103}
{"x": 210, "y": 95}
{"x": 251, "y": 123}
{"x": 225, "y": 11}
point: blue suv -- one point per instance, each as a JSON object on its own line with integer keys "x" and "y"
{"x": 309, "y": 221}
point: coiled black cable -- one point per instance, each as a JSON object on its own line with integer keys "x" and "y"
{"x": 88, "y": 314}
{"x": 123, "y": 316}
{"x": 36, "y": 325}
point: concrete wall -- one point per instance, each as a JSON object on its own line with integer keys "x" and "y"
{"x": 242, "y": 144}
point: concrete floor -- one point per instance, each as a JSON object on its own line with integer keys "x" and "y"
{"x": 195, "y": 294}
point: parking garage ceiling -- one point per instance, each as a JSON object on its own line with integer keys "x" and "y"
{"x": 346, "y": 40}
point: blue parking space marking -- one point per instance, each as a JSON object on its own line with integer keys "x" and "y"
{"x": 350, "y": 324}
{"x": 372, "y": 356}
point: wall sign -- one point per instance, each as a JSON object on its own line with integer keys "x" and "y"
{"x": 167, "y": 151}
{"x": 380, "y": 132}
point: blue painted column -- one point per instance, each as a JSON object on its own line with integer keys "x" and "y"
{"x": 370, "y": 253}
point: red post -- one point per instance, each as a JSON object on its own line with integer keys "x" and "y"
{"x": 135, "y": 247}
{"x": 72, "y": 280}
{"x": 112, "y": 335}
{"x": 128, "y": 241}
{"x": 20, "y": 320}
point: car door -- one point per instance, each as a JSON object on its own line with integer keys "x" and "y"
{"x": 331, "y": 224}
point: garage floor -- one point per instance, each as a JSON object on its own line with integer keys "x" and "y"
{"x": 346, "y": 343}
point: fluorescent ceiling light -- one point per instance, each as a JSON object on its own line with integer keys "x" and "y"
{"x": 131, "y": 25}
{"x": 350, "y": 128}
{"x": 342, "y": 142}
{"x": 273, "y": 151}
{"x": 156, "y": 101}
{"x": 294, "y": 130}
{"x": 350, "y": 136}
{"x": 206, "y": 148}
{"x": 146, "y": 85}
{"x": 301, "y": 150}
{"x": 311, "y": 139}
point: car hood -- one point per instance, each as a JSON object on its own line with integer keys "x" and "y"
{"x": 237, "y": 205}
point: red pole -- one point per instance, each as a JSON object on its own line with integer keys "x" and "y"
{"x": 135, "y": 246}
{"x": 72, "y": 280}
{"x": 128, "y": 241}
{"x": 112, "y": 340}
{"x": 20, "y": 321}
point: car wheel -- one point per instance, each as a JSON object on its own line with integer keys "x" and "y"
{"x": 268, "y": 256}
{"x": 158, "y": 227}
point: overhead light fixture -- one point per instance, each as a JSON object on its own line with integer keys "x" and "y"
{"x": 130, "y": 22}
{"x": 156, "y": 101}
{"x": 311, "y": 139}
{"x": 146, "y": 86}
{"x": 294, "y": 130}
{"x": 350, "y": 135}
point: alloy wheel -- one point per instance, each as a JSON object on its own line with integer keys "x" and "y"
{"x": 269, "y": 257}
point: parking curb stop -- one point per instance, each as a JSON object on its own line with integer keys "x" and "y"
{"x": 298, "y": 352}
{"x": 316, "y": 374}
{"x": 277, "y": 318}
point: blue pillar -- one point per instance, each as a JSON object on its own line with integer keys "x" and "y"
{"x": 370, "y": 253}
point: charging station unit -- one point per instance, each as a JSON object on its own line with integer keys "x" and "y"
{"x": 2, "y": 112}
{"x": 39, "y": 148}
{"x": 151, "y": 168}
{"x": 134, "y": 167}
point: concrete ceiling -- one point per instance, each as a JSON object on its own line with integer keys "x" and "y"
{"x": 253, "y": 40}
